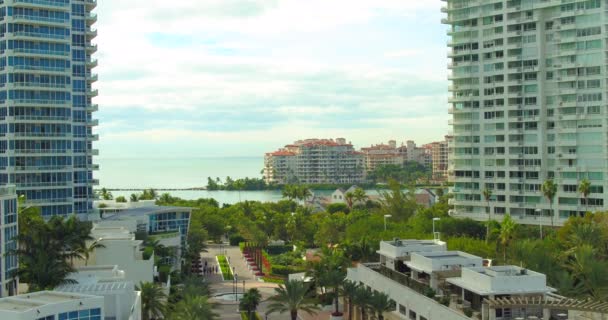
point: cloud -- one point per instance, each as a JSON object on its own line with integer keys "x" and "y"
{"x": 208, "y": 76}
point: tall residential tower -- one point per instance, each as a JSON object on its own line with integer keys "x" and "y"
{"x": 529, "y": 105}
{"x": 46, "y": 112}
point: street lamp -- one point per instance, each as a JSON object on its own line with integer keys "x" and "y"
{"x": 385, "y": 217}
{"x": 435, "y": 237}
{"x": 540, "y": 223}
{"x": 236, "y": 277}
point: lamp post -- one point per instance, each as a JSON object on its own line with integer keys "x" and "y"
{"x": 243, "y": 286}
{"x": 435, "y": 237}
{"x": 540, "y": 223}
{"x": 385, "y": 217}
{"x": 236, "y": 290}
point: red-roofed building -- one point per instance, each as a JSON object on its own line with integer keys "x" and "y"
{"x": 313, "y": 161}
{"x": 381, "y": 155}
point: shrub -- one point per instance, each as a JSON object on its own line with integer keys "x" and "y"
{"x": 275, "y": 250}
{"x": 468, "y": 312}
{"x": 429, "y": 292}
{"x": 121, "y": 199}
{"x": 274, "y": 279}
{"x": 102, "y": 205}
{"x": 235, "y": 239}
{"x": 147, "y": 253}
{"x": 282, "y": 270}
{"x": 337, "y": 207}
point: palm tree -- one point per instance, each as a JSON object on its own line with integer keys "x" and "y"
{"x": 333, "y": 279}
{"x": 349, "y": 290}
{"x": 380, "y": 303}
{"x": 194, "y": 308}
{"x": 85, "y": 251}
{"x": 303, "y": 193}
{"x": 487, "y": 194}
{"x": 289, "y": 191}
{"x": 239, "y": 185}
{"x": 584, "y": 188}
{"x": 506, "y": 233}
{"x": 165, "y": 198}
{"x": 250, "y": 301}
{"x": 349, "y": 196}
{"x": 105, "y": 194}
{"x": 359, "y": 195}
{"x": 549, "y": 189}
{"x": 361, "y": 300}
{"x": 292, "y": 297}
{"x": 153, "y": 300}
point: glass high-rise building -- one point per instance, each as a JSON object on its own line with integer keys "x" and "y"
{"x": 46, "y": 109}
{"x": 528, "y": 98}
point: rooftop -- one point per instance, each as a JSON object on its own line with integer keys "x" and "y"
{"x": 413, "y": 242}
{"x": 144, "y": 211}
{"x": 30, "y": 301}
{"x": 501, "y": 280}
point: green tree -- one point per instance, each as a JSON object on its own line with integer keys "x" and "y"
{"x": 292, "y": 297}
{"x": 134, "y": 198}
{"x": 239, "y": 185}
{"x": 333, "y": 279}
{"x": 506, "y": 234}
{"x": 250, "y": 302}
{"x": 349, "y": 196}
{"x": 584, "y": 188}
{"x": 549, "y": 189}
{"x": 194, "y": 308}
{"x": 153, "y": 301}
{"x": 362, "y": 300}
{"x": 290, "y": 192}
{"x": 359, "y": 195}
{"x": 487, "y": 195}
{"x": 212, "y": 185}
{"x": 401, "y": 206}
{"x": 86, "y": 250}
{"x": 105, "y": 194}
{"x": 121, "y": 199}
{"x": 380, "y": 303}
{"x": 349, "y": 290}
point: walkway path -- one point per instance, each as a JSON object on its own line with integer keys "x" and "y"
{"x": 228, "y": 309}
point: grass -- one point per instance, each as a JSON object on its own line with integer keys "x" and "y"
{"x": 225, "y": 267}
{"x": 271, "y": 279}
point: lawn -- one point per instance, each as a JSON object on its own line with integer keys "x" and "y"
{"x": 225, "y": 267}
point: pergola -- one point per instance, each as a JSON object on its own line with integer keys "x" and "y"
{"x": 549, "y": 303}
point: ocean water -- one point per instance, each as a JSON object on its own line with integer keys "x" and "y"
{"x": 159, "y": 173}
{"x": 122, "y": 173}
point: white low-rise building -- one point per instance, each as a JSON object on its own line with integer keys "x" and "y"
{"x": 120, "y": 248}
{"x": 52, "y": 305}
{"x": 427, "y": 282}
{"x": 121, "y": 299}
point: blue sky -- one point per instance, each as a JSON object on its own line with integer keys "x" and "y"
{"x": 242, "y": 77}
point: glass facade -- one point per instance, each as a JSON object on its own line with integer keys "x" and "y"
{"x": 46, "y": 109}
{"x": 8, "y": 232}
{"x": 170, "y": 222}
{"x": 89, "y": 314}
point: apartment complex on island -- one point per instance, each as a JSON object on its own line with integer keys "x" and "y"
{"x": 528, "y": 101}
{"x": 314, "y": 161}
{"x": 428, "y": 282}
{"x": 8, "y": 232}
{"x": 335, "y": 161}
{"x": 46, "y": 109}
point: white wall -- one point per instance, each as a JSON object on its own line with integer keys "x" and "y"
{"x": 126, "y": 255}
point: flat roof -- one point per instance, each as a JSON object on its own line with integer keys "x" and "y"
{"x": 143, "y": 211}
{"x": 33, "y": 300}
{"x": 504, "y": 272}
{"x": 409, "y": 242}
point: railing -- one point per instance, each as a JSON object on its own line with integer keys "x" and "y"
{"x": 41, "y": 118}
{"x": 40, "y": 84}
{"x": 39, "y": 101}
{"x": 41, "y": 35}
{"x": 44, "y": 2}
{"x": 39, "y": 18}
{"x": 44, "y": 184}
{"x": 28, "y": 151}
{"x": 28, "y": 168}
{"x": 40, "y": 51}
{"x": 41, "y": 68}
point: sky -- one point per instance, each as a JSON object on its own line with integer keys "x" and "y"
{"x": 218, "y": 78}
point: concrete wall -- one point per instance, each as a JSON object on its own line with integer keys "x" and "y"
{"x": 532, "y": 281}
{"x": 126, "y": 255}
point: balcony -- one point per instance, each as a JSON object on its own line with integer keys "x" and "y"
{"x": 42, "y": 168}
{"x": 91, "y": 63}
{"x": 93, "y": 152}
{"x": 42, "y": 69}
{"x": 37, "y": 36}
{"x": 62, "y": 184}
{"x": 34, "y": 19}
{"x": 39, "y": 86}
{"x": 37, "y": 202}
{"x": 40, "y": 151}
{"x": 38, "y": 102}
{"x": 90, "y": 18}
{"x": 91, "y": 48}
{"x": 93, "y": 123}
{"x": 48, "y": 4}
{"x": 90, "y": 4}
{"x": 92, "y": 93}
{"x": 45, "y": 119}
{"x": 90, "y": 33}
{"x": 92, "y": 108}
{"x": 37, "y": 52}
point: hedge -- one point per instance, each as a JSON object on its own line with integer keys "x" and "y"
{"x": 235, "y": 239}
{"x": 286, "y": 270}
{"x": 225, "y": 268}
{"x": 275, "y": 250}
